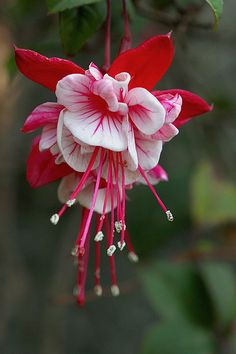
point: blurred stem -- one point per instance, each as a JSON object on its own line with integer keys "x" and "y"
{"x": 107, "y": 51}
{"x": 126, "y": 40}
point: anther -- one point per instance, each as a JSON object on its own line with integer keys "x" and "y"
{"x": 111, "y": 250}
{"x": 98, "y": 290}
{"x": 102, "y": 217}
{"x": 99, "y": 236}
{"x": 54, "y": 219}
{"x": 115, "y": 291}
{"x": 70, "y": 202}
{"x": 75, "y": 251}
{"x": 121, "y": 245}
{"x": 133, "y": 257}
{"x": 169, "y": 215}
{"x": 119, "y": 226}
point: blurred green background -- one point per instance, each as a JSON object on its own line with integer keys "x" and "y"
{"x": 180, "y": 298}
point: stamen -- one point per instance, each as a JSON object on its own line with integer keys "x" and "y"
{"x": 97, "y": 263}
{"x": 82, "y": 272}
{"x": 133, "y": 257}
{"x": 99, "y": 236}
{"x": 98, "y": 290}
{"x": 111, "y": 258}
{"x": 88, "y": 222}
{"x": 169, "y": 216}
{"x": 118, "y": 196}
{"x": 81, "y": 182}
{"x": 112, "y": 202}
{"x": 162, "y": 205}
{"x": 115, "y": 290}
{"x": 111, "y": 250}
{"x": 123, "y": 200}
{"x": 121, "y": 245}
{"x": 54, "y": 219}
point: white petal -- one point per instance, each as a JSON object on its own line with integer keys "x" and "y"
{"x": 68, "y": 185}
{"x": 71, "y": 150}
{"x": 130, "y": 157}
{"x": 96, "y": 129}
{"x": 145, "y": 110}
{"x": 73, "y": 91}
{"x": 166, "y": 133}
{"x": 120, "y": 84}
{"x": 86, "y": 195}
{"x": 48, "y": 137}
{"x": 94, "y": 72}
{"x": 148, "y": 150}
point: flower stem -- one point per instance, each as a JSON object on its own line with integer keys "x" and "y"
{"x": 126, "y": 40}
{"x": 107, "y": 51}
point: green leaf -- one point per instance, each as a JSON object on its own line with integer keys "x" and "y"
{"x": 78, "y": 25}
{"x": 61, "y": 5}
{"x": 178, "y": 338}
{"x": 177, "y": 291}
{"x": 213, "y": 198}
{"x": 220, "y": 281}
{"x": 217, "y": 8}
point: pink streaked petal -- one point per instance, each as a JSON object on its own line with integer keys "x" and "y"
{"x": 68, "y": 185}
{"x": 73, "y": 92}
{"x": 145, "y": 110}
{"x": 147, "y": 63}
{"x": 86, "y": 195}
{"x": 172, "y": 105}
{"x": 93, "y": 72}
{"x": 120, "y": 84}
{"x": 157, "y": 174}
{"x": 166, "y": 133}
{"x": 94, "y": 128}
{"x": 71, "y": 150}
{"x": 48, "y": 137}
{"x": 104, "y": 89}
{"x": 41, "y": 167}
{"x": 46, "y": 113}
{"x": 148, "y": 150}
{"x": 130, "y": 157}
{"x": 45, "y": 71}
{"x": 192, "y": 105}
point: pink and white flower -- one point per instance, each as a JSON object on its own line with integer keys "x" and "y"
{"x": 104, "y": 133}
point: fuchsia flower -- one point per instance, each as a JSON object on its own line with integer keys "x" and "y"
{"x": 104, "y": 134}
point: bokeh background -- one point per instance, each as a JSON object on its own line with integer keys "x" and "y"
{"x": 180, "y": 298}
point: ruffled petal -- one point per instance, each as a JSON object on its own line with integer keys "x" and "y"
{"x": 166, "y": 133}
{"x": 86, "y": 195}
{"x": 192, "y": 105}
{"x": 130, "y": 157}
{"x": 46, "y": 113}
{"x": 147, "y": 63}
{"x": 41, "y": 167}
{"x": 73, "y": 153}
{"x": 48, "y": 137}
{"x": 120, "y": 84}
{"x": 148, "y": 150}
{"x": 45, "y": 71}
{"x": 145, "y": 111}
{"x": 172, "y": 105}
{"x": 73, "y": 92}
{"x": 93, "y": 128}
{"x": 68, "y": 185}
{"x": 155, "y": 175}
{"x": 93, "y": 72}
